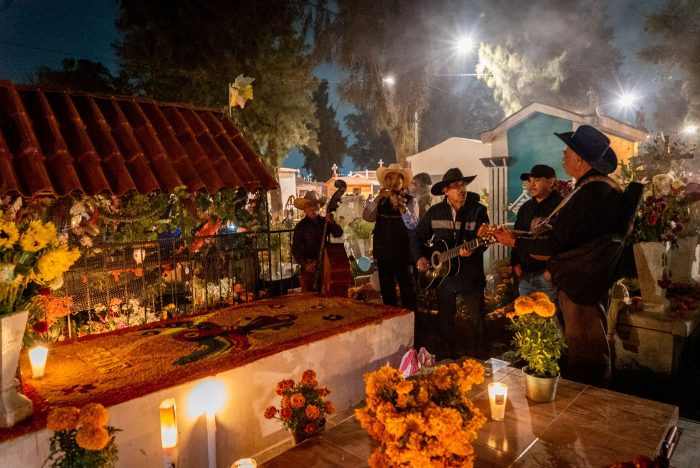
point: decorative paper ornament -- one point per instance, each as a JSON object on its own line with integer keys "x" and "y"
{"x": 240, "y": 91}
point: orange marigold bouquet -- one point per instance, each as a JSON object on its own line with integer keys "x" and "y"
{"x": 81, "y": 437}
{"x": 425, "y": 421}
{"x": 303, "y": 407}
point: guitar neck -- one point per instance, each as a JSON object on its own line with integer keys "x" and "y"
{"x": 469, "y": 245}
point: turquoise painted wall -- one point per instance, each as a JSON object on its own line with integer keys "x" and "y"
{"x": 531, "y": 142}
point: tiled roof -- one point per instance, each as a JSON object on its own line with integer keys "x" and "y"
{"x": 56, "y": 142}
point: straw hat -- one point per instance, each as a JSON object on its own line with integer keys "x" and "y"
{"x": 394, "y": 168}
{"x": 310, "y": 197}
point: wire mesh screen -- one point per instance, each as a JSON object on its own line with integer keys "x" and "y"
{"x": 141, "y": 282}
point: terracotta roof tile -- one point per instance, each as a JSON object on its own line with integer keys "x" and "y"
{"x": 56, "y": 142}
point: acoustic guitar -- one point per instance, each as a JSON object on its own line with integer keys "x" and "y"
{"x": 443, "y": 260}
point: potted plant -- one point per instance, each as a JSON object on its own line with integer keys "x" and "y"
{"x": 303, "y": 406}
{"x": 539, "y": 340}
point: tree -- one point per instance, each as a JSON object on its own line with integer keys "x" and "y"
{"x": 84, "y": 75}
{"x": 677, "y": 29}
{"x": 523, "y": 61}
{"x": 459, "y": 113}
{"x": 370, "y": 144}
{"x": 189, "y": 50}
{"x": 377, "y": 41}
{"x": 331, "y": 142}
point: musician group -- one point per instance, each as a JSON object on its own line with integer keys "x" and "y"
{"x": 414, "y": 238}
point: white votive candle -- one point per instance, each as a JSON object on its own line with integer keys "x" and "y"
{"x": 37, "y": 356}
{"x": 498, "y": 392}
{"x": 245, "y": 463}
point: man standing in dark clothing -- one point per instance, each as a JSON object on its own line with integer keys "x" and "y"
{"x": 532, "y": 273}
{"x": 452, "y": 222}
{"x": 594, "y": 209}
{"x": 395, "y": 214}
{"x": 420, "y": 189}
{"x": 308, "y": 233}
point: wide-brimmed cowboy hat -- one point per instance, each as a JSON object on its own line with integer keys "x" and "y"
{"x": 394, "y": 168}
{"x": 593, "y": 146}
{"x": 309, "y": 197}
{"x": 452, "y": 175}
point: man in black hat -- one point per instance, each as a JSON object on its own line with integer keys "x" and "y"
{"x": 532, "y": 272}
{"x": 452, "y": 222}
{"x": 593, "y": 211}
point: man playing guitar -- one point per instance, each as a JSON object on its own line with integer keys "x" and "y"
{"x": 454, "y": 220}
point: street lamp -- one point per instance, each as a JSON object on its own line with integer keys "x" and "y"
{"x": 464, "y": 45}
{"x": 389, "y": 80}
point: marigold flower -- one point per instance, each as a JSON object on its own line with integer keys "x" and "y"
{"x": 286, "y": 413}
{"x": 524, "y": 305}
{"x": 308, "y": 378}
{"x": 284, "y": 386}
{"x": 92, "y": 437}
{"x": 328, "y": 407}
{"x": 63, "y": 418}
{"x": 8, "y": 235}
{"x": 545, "y": 308}
{"x": 312, "y": 412}
{"x": 323, "y": 391}
{"x": 93, "y": 414}
{"x": 539, "y": 296}
{"x": 310, "y": 428}
{"x": 270, "y": 412}
{"x": 297, "y": 400}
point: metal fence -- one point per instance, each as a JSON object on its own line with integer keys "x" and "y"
{"x": 139, "y": 282}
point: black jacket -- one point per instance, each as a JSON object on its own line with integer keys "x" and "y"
{"x": 526, "y": 214}
{"x": 438, "y": 222}
{"x": 306, "y": 242}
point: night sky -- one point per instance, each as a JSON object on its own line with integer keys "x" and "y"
{"x": 43, "y": 32}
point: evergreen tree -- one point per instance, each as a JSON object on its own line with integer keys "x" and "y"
{"x": 370, "y": 144}
{"x": 83, "y": 75}
{"x": 331, "y": 142}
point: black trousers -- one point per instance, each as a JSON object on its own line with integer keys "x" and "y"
{"x": 392, "y": 272}
{"x": 468, "y": 336}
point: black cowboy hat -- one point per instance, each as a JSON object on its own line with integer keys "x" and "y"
{"x": 593, "y": 146}
{"x": 452, "y": 175}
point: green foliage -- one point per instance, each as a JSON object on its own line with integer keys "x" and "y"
{"x": 538, "y": 340}
{"x": 659, "y": 155}
{"x": 370, "y": 144}
{"x": 66, "y": 453}
{"x": 360, "y": 228}
{"x": 331, "y": 142}
{"x": 190, "y": 51}
{"x": 83, "y": 75}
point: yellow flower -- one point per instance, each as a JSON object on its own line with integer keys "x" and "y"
{"x": 55, "y": 262}
{"x": 545, "y": 308}
{"x": 442, "y": 377}
{"x": 93, "y": 414}
{"x": 62, "y": 419}
{"x": 37, "y": 236}
{"x": 524, "y": 305}
{"x": 8, "y": 235}
{"x": 539, "y": 296}
{"x": 92, "y": 438}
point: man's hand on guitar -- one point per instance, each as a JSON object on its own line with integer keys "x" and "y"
{"x": 504, "y": 236}
{"x": 464, "y": 252}
{"x": 422, "y": 264}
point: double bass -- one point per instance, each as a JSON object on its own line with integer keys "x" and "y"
{"x": 333, "y": 277}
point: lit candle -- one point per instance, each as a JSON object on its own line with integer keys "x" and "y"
{"x": 498, "y": 392}
{"x": 37, "y": 356}
{"x": 245, "y": 463}
{"x": 168, "y": 432}
{"x": 208, "y": 397}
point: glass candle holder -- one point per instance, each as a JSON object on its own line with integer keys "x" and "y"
{"x": 498, "y": 393}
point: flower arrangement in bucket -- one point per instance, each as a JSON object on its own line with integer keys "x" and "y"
{"x": 303, "y": 407}
{"x": 31, "y": 257}
{"x": 423, "y": 421}
{"x": 539, "y": 340}
{"x": 81, "y": 437}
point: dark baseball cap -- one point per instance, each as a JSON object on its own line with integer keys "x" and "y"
{"x": 539, "y": 171}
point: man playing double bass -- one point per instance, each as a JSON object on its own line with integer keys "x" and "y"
{"x": 308, "y": 233}
{"x": 454, "y": 220}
